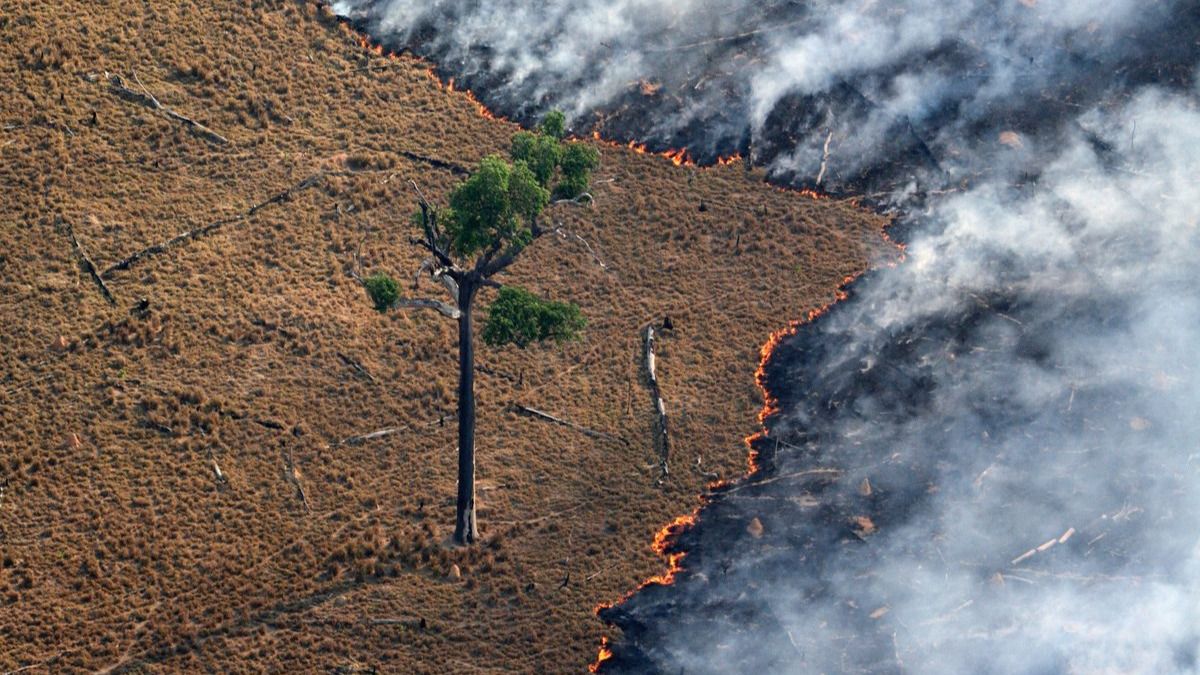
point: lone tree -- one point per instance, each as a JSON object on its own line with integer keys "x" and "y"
{"x": 491, "y": 218}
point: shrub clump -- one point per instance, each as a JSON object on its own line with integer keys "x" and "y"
{"x": 383, "y": 289}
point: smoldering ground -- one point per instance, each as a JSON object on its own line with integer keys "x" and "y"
{"x": 878, "y": 93}
{"x": 985, "y": 460}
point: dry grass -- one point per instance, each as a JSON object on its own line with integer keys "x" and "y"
{"x": 121, "y": 549}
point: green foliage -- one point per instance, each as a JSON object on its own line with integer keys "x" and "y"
{"x": 521, "y": 318}
{"x": 554, "y": 125}
{"x": 541, "y": 152}
{"x": 494, "y": 205}
{"x": 578, "y": 161}
{"x": 384, "y": 290}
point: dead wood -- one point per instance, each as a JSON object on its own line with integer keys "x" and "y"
{"x": 1043, "y": 547}
{"x": 88, "y": 265}
{"x": 195, "y": 233}
{"x": 217, "y": 473}
{"x": 386, "y": 431}
{"x": 117, "y": 85}
{"x": 699, "y": 468}
{"x": 565, "y": 234}
{"x": 662, "y": 438}
{"x": 457, "y": 169}
{"x": 356, "y": 366}
{"x": 426, "y": 303}
{"x": 830, "y": 474}
{"x": 583, "y": 200}
{"x": 294, "y": 477}
{"x": 534, "y": 412}
{"x": 824, "y": 159}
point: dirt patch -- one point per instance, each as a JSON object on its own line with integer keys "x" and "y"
{"x": 177, "y": 495}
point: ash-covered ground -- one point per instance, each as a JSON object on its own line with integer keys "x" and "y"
{"x": 985, "y": 459}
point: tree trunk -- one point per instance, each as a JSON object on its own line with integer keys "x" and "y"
{"x": 465, "y": 529}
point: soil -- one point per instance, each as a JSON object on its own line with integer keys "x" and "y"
{"x": 177, "y": 495}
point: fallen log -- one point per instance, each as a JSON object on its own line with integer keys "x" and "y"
{"x": 88, "y": 265}
{"x": 356, "y": 366}
{"x": 294, "y": 477}
{"x": 662, "y": 439}
{"x": 363, "y": 438}
{"x": 195, "y": 233}
{"x": 534, "y": 412}
{"x": 116, "y": 85}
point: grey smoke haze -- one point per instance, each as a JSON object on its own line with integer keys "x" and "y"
{"x": 1027, "y": 378}
{"x": 885, "y": 81}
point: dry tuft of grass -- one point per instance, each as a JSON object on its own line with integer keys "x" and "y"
{"x": 176, "y": 492}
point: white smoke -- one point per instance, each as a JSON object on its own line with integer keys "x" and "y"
{"x": 1118, "y": 225}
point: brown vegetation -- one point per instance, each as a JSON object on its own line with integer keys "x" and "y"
{"x": 176, "y": 494}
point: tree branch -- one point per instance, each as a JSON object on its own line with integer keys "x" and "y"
{"x": 439, "y": 274}
{"x": 426, "y": 303}
{"x": 584, "y": 199}
{"x": 432, "y": 240}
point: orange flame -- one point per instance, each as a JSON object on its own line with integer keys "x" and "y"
{"x": 604, "y": 655}
{"x": 680, "y": 157}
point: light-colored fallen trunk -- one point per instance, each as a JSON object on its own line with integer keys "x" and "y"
{"x": 662, "y": 437}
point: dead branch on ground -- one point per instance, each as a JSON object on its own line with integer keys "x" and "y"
{"x": 118, "y": 86}
{"x": 356, "y": 366}
{"x": 662, "y": 439}
{"x": 195, "y": 233}
{"x": 534, "y": 412}
{"x": 566, "y": 235}
{"x": 88, "y": 265}
{"x": 824, "y": 159}
{"x": 293, "y": 476}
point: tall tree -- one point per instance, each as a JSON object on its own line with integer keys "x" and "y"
{"x": 492, "y": 217}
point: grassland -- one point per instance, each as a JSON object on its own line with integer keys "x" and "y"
{"x": 122, "y": 549}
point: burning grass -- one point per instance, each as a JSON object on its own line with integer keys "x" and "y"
{"x": 175, "y": 490}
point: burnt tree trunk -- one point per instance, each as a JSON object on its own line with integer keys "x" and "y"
{"x": 465, "y": 528}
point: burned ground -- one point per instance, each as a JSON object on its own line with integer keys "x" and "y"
{"x": 177, "y": 494}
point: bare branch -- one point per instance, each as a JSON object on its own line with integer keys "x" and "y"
{"x": 440, "y": 274}
{"x": 566, "y": 234}
{"x": 433, "y": 238}
{"x": 583, "y": 200}
{"x": 426, "y": 303}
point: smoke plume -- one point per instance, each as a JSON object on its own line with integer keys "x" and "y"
{"x": 985, "y": 460}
